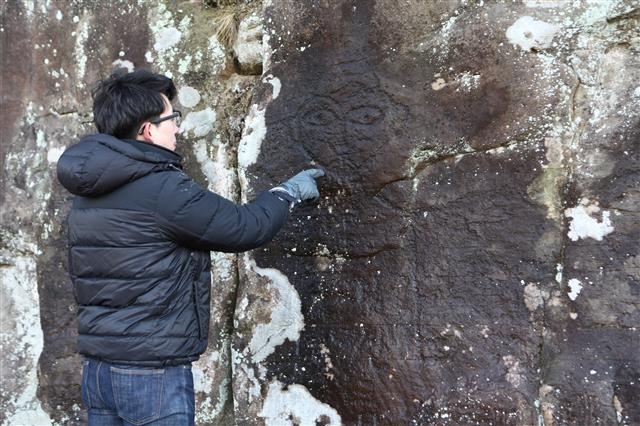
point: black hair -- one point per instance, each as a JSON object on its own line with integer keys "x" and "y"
{"x": 122, "y": 102}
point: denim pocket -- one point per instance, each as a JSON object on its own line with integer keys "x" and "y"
{"x": 84, "y": 385}
{"x": 138, "y": 393}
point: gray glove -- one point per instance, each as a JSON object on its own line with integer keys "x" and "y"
{"x": 302, "y": 186}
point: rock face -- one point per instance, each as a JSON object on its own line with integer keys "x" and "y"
{"x": 474, "y": 257}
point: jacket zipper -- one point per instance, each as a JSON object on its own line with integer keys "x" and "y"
{"x": 196, "y": 297}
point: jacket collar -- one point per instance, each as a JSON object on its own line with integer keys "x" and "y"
{"x": 155, "y": 153}
{"x": 137, "y": 150}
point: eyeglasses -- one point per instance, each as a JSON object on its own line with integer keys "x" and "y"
{"x": 176, "y": 116}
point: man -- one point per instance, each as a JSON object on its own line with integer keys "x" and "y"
{"x": 140, "y": 232}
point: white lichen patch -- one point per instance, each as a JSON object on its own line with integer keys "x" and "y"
{"x": 559, "y": 270}
{"x": 22, "y": 340}
{"x": 515, "y": 373}
{"x": 529, "y": 33}
{"x": 123, "y": 63}
{"x": 596, "y": 11}
{"x": 79, "y": 54}
{"x": 184, "y": 64}
{"x": 223, "y": 266}
{"x": 207, "y": 165}
{"x": 286, "y": 316}
{"x": 575, "y": 287}
{"x": 327, "y": 261}
{"x": 618, "y": 407}
{"x": 439, "y": 83}
{"x": 534, "y": 297}
{"x": 294, "y": 405}
{"x": 216, "y": 51}
{"x": 446, "y": 28}
{"x": 188, "y": 96}
{"x": 451, "y": 330}
{"x": 484, "y": 332}
{"x": 208, "y": 409}
{"x": 199, "y": 122}
{"x": 610, "y": 96}
{"x": 328, "y": 364}
{"x": 467, "y": 81}
{"x": 545, "y": 3}
{"x": 166, "y": 38}
{"x": 205, "y": 372}
{"x": 185, "y": 23}
{"x": 215, "y": 163}
{"x": 241, "y": 310}
{"x": 253, "y": 134}
{"x": 585, "y": 225}
{"x": 201, "y": 381}
{"x": 267, "y": 50}
{"x": 225, "y": 182}
{"x": 275, "y": 83}
{"x": 54, "y": 153}
{"x": 245, "y": 381}
{"x": 546, "y": 407}
{"x": 248, "y": 47}
{"x": 555, "y": 151}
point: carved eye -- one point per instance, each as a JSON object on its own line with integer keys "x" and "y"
{"x": 321, "y": 117}
{"x": 365, "y": 115}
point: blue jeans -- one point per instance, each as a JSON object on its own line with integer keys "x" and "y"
{"x": 131, "y": 395}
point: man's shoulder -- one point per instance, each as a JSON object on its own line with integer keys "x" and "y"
{"x": 176, "y": 179}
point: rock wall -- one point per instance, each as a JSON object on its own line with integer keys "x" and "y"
{"x": 473, "y": 258}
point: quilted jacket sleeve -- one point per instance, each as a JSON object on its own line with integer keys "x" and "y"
{"x": 203, "y": 220}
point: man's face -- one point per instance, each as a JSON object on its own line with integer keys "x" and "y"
{"x": 164, "y": 132}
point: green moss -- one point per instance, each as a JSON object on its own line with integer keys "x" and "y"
{"x": 546, "y": 189}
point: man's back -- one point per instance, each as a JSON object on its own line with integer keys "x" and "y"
{"x": 142, "y": 298}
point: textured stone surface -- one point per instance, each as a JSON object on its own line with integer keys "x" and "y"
{"x": 473, "y": 259}
{"x": 52, "y": 53}
{"x": 481, "y": 159}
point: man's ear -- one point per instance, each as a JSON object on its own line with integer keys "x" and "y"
{"x": 147, "y": 129}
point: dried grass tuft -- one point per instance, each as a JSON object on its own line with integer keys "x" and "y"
{"x": 219, "y": 3}
{"x": 226, "y": 28}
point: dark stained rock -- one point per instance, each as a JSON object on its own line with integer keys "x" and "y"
{"x": 434, "y": 272}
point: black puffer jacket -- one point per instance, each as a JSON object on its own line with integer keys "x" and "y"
{"x": 140, "y": 232}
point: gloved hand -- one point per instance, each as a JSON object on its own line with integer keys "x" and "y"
{"x": 302, "y": 186}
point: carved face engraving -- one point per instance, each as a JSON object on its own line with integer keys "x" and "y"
{"x": 346, "y": 124}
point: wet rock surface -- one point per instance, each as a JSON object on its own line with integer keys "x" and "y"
{"x": 473, "y": 258}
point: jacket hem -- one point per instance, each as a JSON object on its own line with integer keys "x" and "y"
{"x": 147, "y": 363}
